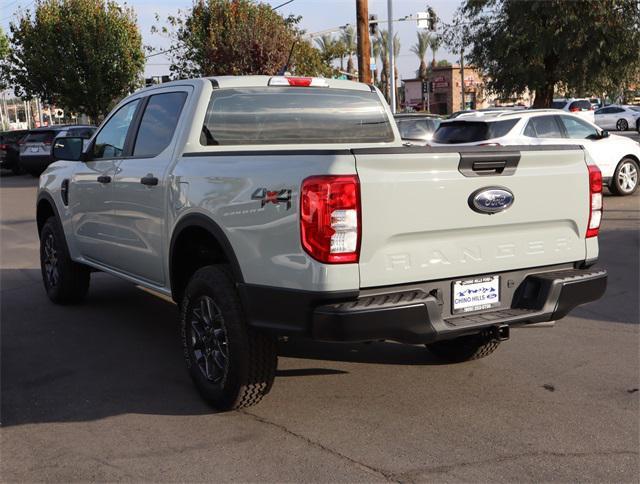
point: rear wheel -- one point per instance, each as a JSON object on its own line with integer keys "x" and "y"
{"x": 231, "y": 364}
{"x": 465, "y": 348}
{"x": 64, "y": 281}
{"x": 622, "y": 125}
{"x": 625, "y": 178}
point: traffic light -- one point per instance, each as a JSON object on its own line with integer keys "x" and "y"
{"x": 431, "y": 19}
{"x": 373, "y": 24}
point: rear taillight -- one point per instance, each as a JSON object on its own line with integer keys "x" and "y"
{"x": 574, "y": 110}
{"x": 595, "y": 201}
{"x": 330, "y": 218}
{"x": 4, "y": 147}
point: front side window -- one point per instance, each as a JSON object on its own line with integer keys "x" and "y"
{"x": 159, "y": 123}
{"x": 110, "y": 140}
{"x": 578, "y": 129}
{"x": 543, "y": 127}
{"x": 294, "y": 115}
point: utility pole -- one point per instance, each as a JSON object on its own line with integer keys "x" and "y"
{"x": 392, "y": 65}
{"x": 463, "y": 105}
{"x": 364, "y": 42}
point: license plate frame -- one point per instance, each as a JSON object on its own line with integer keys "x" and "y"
{"x": 475, "y": 294}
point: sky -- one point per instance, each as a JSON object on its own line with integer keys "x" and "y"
{"x": 317, "y": 15}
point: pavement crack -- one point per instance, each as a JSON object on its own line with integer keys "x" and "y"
{"x": 367, "y": 468}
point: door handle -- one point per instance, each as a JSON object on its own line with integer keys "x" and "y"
{"x": 104, "y": 179}
{"x": 149, "y": 180}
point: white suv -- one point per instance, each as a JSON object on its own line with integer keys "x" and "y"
{"x": 617, "y": 157}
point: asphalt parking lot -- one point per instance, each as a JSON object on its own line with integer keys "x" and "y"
{"x": 99, "y": 391}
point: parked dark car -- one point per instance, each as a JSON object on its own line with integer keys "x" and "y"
{"x": 35, "y": 149}
{"x": 10, "y": 149}
{"x": 417, "y": 128}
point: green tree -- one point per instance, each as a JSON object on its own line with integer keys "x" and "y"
{"x": 4, "y": 53}
{"x": 81, "y": 55}
{"x": 579, "y": 47}
{"x": 238, "y": 37}
{"x": 420, "y": 49}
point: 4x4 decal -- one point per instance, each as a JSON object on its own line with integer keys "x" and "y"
{"x": 276, "y": 197}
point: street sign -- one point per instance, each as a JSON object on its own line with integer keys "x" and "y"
{"x": 423, "y": 20}
{"x": 58, "y": 113}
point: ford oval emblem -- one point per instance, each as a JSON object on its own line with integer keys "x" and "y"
{"x": 491, "y": 200}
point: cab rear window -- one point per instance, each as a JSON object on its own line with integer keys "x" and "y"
{"x": 472, "y": 131}
{"x": 294, "y": 115}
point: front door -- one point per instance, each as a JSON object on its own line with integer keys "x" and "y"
{"x": 91, "y": 189}
{"x": 141, "y": 184}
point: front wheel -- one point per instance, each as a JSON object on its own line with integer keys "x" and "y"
{"x": 64, "y": 281}
{"x": 232, "y": 365}
{"x": 622, "y": 125}
{"x": 465, "y": 348}
{"x": 625, "y": 178}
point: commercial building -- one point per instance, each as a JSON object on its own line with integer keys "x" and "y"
{"x": 445, "y": 96}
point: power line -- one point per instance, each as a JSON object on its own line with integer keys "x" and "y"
{"x": 282, "y": 5}
{"x": 12, "y": 14}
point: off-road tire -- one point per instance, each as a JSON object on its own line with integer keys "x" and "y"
{"x": 465, "y": 348}
{"x": 71, "y": 281}
{"x": 251, "y": 356}
{"x": 615, "y": 184}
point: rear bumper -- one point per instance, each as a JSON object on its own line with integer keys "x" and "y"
{"x": 420, "y": 314}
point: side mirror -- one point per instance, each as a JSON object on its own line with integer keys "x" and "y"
{"x": 69, "y": 149}
{"x": 604, "y": 134}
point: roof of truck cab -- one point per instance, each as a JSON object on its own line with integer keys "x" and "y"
{"x": 224, "y": 82}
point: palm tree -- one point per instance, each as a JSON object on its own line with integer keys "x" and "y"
{"x": 434, "y": 42}
{"x": 420, "y": 49}
{"x": 348, "y": 38}
{"x": 396, "y": 75}
{"x": 328, "y": 47}
{"x": 383, "y": 46}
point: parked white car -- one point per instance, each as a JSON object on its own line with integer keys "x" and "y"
{"x": 621, "y": 118}
{"x": 579, "y": 106}
{"x": 617, "y": 157}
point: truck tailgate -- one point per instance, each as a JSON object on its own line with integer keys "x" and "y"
{"x": 418, "y": 224}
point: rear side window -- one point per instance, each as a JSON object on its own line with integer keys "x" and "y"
{"x": 583, "y": 105}
{"x": 421, "y": 129}
{"x": 472, "y": 131}
{"x": 294, "y": 115}
{"x": 543, "y": 127}
{"x": 40, "y": 137}
{"x": 558, "y": 104}
{"x": 635, "y": 108}
{"x": 159, "y": 123}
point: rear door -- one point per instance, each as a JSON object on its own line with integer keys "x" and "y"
{"x": 418, "y": 223}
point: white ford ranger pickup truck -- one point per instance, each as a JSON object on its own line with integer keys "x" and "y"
{"x": 269, "y": 206}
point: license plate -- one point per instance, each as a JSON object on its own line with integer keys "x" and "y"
{"x": 34, "y": 149}
{"x": 475, "y": 294}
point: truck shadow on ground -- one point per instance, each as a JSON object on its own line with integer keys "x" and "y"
{"x": 120, "y": 352}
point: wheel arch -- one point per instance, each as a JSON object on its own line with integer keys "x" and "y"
{"x": 196, "y": 241}
{"x": 45, "y": 208}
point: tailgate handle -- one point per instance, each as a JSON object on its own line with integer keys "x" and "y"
{"x": 496, "y": 163}
{"x": 496, "y": 167}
